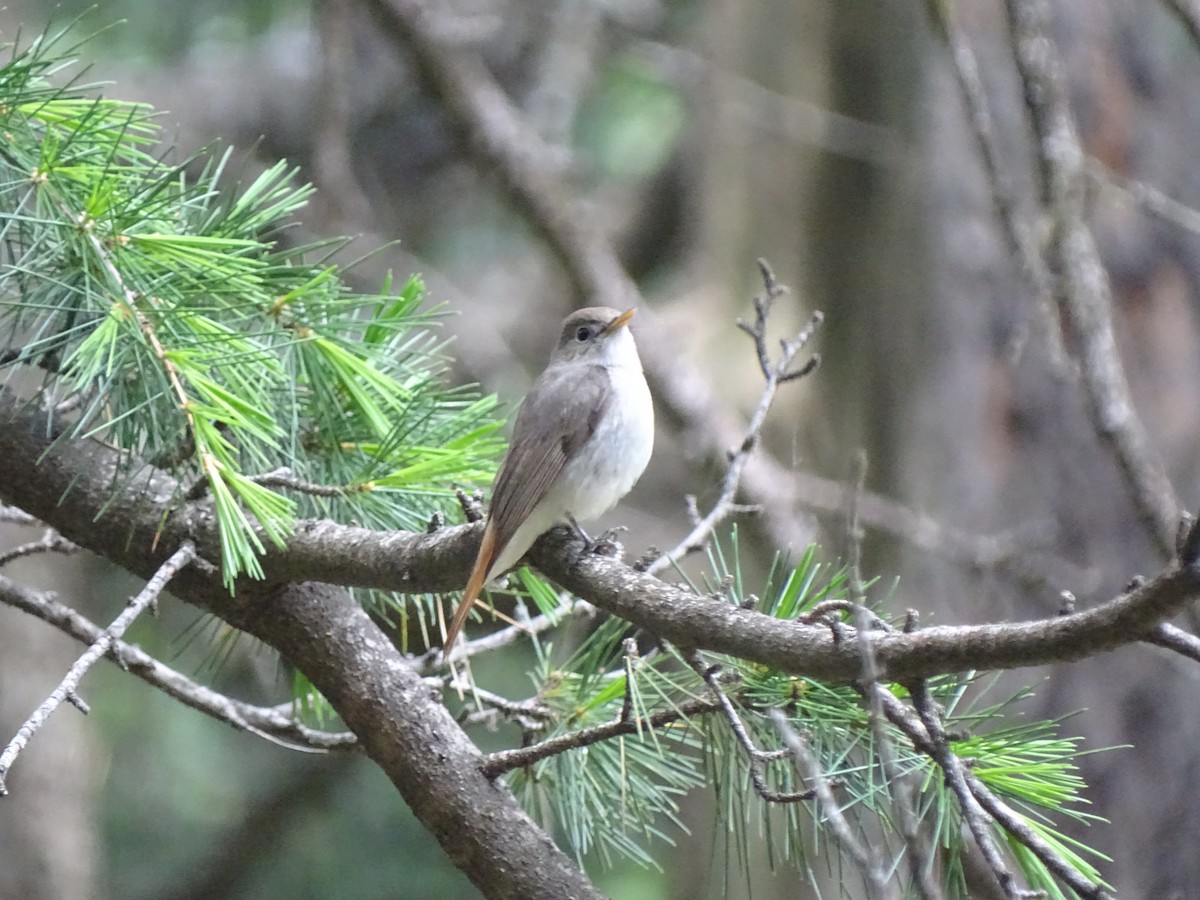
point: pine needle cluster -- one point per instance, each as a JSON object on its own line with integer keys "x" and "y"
{"x": 611, "y": 798}
{"x": 165, "y": 309}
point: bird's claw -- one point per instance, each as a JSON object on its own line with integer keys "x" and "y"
{"x": 607, "y": 544}
{"x": 604, "y": 545}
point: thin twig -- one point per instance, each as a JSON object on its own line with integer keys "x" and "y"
{"x": 868, "y": 862}
{"x": 50, "y": 542}
{"x": 918, "y": 851}
{"x": 532, "y": 715}
{"x": 1175, "y": 639}
{"x": 1145, "y": 197}
{"x": 1016, "y": 825}
{"x": 1015, "y": 231}
{"x": 913, "y": 728}
{"x": 1081, "y": 285}
{"x": 758, "y": 758}
{"x": 496, "y": 764}
{"x": 287, "y": 479}
{"x": 277, "y": 724}
{"x": 854, "y": 539}
{"x": 434, "y": 660}
{"x": 10, "y": 515}
{"x": 762, "y": 109}
{"x": 775, "y": 373}
{"x": 67, "y": 687}
{"x": 827, "y": 609}
{"x": 917, "y": 845}
{"x": 952, "y": 767}
{"x": 1188, "y": 13}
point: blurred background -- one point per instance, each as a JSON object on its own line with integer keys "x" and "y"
{"x": 827, "y": 136}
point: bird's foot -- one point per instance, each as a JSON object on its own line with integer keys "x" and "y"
{"x": 607, "y": 544}
{"x": 604, "y": 545}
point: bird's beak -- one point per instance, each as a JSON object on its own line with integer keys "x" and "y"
{"x": 622, "y": 320}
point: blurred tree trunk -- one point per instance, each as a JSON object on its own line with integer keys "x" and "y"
{"x": 937, "y": 362}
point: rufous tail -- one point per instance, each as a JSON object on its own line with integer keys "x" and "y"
{"x": 479, "y": 572}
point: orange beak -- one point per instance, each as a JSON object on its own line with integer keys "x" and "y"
{"x": 622, "y": 320}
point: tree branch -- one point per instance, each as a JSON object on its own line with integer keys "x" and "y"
{"x": 275, "y": 724}
{"x": 82, "y": 476}
{"x": 864, "y": 856}
{"x": 913, "y": 727}
{"x": 1080, "y": 282}
{"x": 70, "y": 683}
{"x": 496, "y": 764}
{"x": 321, "y": 630}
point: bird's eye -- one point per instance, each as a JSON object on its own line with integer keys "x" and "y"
{"x": 583, "y": 333}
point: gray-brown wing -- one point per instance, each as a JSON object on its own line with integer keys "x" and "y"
{"x": 558, "y": 416}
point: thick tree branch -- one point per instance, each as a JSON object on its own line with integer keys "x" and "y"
{"x": 321, "y": 630}
{"x": 82, "y": 476}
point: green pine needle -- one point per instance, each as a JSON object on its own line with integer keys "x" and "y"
{"x": 196, "y": 343}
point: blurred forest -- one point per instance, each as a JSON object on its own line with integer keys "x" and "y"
{"x": 829, "y": 137}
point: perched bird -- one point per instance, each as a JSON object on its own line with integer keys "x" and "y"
{"x": 583, "y": 437}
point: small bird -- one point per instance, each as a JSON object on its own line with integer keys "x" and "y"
{"x": 583, "y": 437}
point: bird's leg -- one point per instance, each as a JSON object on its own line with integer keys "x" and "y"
{"x": 605, "y": 545}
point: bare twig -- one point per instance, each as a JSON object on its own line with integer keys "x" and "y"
{"x": 764, "y": 110}
{"x": 952, "y": 767}
{"x": 919, "y": 853}
{"x": 775, "y": 373}
{"x": 472, "y": 504}
{"x": 1014, "y": 230}
{"x": 1145, "y": 197}
{"x": 758, "y": 759}
{"x": 1175, "y": 639}
{"x": 1081, "y": 286}
{"x": 868, "y": 862}
{"x": 50, "y": 542}
{"x": 854, "y": 539}
{"x": 826, "y": 609}
{"x": 1016, "y": 825}
{"x": 10, "y": 515}
{"x": 287, "y": 479}
{"x": 496, "y": 764}
{"x": 434, "y": 660}
{"x": 66, "y": 688}
{"x": 532, "y": 715}
{"x": 1188, "y": 14}
{"x": 277, "y": 724}
{"x": 778, "y": 371}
